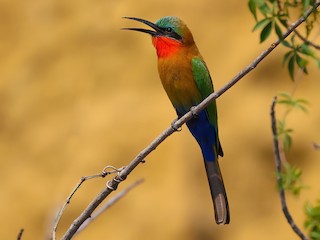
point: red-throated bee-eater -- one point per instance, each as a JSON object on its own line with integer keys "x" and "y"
{"x": 186, "y": 80}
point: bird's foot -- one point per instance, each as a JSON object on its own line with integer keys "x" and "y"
{"x": 174, "y": 127}
{"x": 113, "y": 184}
{"x": 193, "y": 112}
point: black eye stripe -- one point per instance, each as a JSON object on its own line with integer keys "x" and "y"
{"x": 167, "y": 29}
{"x": 169, "y": 32}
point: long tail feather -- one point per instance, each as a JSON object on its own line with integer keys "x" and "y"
{"x": 218, "y": 192}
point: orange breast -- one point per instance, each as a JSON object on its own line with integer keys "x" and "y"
{"x": 178, "y": 81}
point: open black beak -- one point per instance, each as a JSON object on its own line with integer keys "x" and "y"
{"x": 158, "y": 31}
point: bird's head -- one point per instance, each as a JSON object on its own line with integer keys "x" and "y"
{"x": 169, "y": 34}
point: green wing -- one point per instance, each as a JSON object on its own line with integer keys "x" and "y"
{"x": 204, "y": 84}
{"x": 205, "y": 87}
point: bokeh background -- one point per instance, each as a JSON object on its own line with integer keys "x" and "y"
{"x": 77, "y": 94}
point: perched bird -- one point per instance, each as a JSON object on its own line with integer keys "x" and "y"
{"x": 186, "y": 80}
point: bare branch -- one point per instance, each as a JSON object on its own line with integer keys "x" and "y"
{"x": 19, "y": 237}
{"x": 284, "y": 206}
{"x": 316, "y": 46}
{"x": 108, "y": 204}
{"x": 104, "y": 173}
{"x": 113, "y": 184}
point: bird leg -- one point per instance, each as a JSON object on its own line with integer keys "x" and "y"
{"x": 194, "y": 112}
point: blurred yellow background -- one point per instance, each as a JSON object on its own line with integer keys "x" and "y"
{"x": 77, "y": 94}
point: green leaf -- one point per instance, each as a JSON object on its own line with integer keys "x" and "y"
{"x": 306, "y": 4}
{"x": 252, "y": 7}
{"x": 284, "y": 20}
{"x": 305, "y": 49}
{"x": 303, "y": 108}
{"x": 285, "y": 98}
{"x": 303, "y": 101}
{"x": 292, "y": 39}
{"x": 261, "y": 23}
{"x": 312, "y": 222}
{"x": 291, "y": 179}
{"x": 291, "y": 67}
{"x": 302, "y": 63}
{"x": 315, "y": 235}
{"x": 287, "y": 56}
{"x": 282, "y": 130}
{"x": 265, "y": 33}
{"x": 287, "y": 141}
{"x": 286, "y": 43}
{"x": 263, "y": 7}
{"x": 285, "y": 95}
{"x": 292, "y": 103}
{"x": 278, "y": 31}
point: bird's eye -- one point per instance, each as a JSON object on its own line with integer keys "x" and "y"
{"x": 169, "y": 29}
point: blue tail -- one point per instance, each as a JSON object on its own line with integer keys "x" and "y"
{"x": 205, "y": 134}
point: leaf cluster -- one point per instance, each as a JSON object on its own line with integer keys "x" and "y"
{"x": 290, "y": 103}
{"x": 291, "y": 179}
{"x": 275, "y": 16}
{"x": 312, "y": 222}
{"x": 297, "y": 56}
{"x": 272, "y": 17}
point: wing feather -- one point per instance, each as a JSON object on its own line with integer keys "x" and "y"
{"x": 204, "y": 84}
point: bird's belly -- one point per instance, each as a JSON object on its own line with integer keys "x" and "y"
{"x": 181, "y": 88}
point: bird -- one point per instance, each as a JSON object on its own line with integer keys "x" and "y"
{"x": 186, "y": 79}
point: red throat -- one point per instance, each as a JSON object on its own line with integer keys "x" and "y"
{"x": 165, "y": 46}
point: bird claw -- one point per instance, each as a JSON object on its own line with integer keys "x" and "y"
{"x": 173, "y": 126}
{"x": 193, "y": 112}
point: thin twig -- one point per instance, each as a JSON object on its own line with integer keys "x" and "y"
{"x": 19, "y": 237}
{"x": 305, "y": 40}
{"x": 106, "y": 171}
{"x": 113, "y": 184}
{"x": 316, "y": 46}
{"x": 284, "y": 206}
{"x": 60, "y": 213}
{"x": 108, "y": 204}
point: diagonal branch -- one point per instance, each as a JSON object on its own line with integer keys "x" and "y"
{"x": 284, "y": 206}
{"x": 108, "y": 204}
{"x": 20, "y": 234}
{"x": 113, "y": 184}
